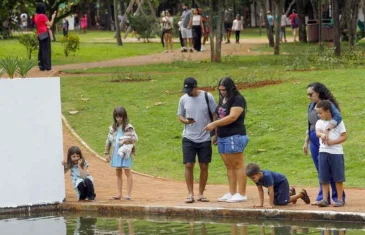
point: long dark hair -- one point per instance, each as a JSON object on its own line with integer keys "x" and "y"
{"x": 71, "y": 151}
{"x": 231, "y": 91}
{"x": 40, "y": 8}
{"x": 323, "y": 93}
{"x": 120, "y": 112}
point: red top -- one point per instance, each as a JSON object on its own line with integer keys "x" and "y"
{"x": 40, "y": 20}
{"x": 292, "y": 18}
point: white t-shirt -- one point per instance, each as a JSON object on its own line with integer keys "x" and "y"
{"x": 334, "y": 134}
{"x": 237, "y": 25}
{"x": 283, "y": 20}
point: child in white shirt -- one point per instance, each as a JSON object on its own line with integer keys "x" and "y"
{"x": 237, "y": 27}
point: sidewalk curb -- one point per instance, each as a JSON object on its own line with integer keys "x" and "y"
{"x": 189, "y": 212}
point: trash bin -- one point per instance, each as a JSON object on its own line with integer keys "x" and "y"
{"x": 312, "y": 31}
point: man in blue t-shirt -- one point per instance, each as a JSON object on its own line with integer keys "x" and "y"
{"x": 278, "y": 186}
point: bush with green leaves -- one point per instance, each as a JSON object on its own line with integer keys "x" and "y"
{"x": 71, "y": 43}
{"x": 146, "y": 26}
{"x": 30, "y": 41}
{"x": 11, "y": 65}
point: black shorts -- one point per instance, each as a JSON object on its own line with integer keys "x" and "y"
{"x": 191, "y": 149}
{"x": 228, "y": 26}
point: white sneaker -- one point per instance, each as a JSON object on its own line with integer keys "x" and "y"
{"x": 202, "y": 48}
{"x": 225, "y": 197}
{"x": 237, "y": 198}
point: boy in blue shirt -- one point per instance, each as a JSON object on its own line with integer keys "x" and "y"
{"x": 278, "y": 187}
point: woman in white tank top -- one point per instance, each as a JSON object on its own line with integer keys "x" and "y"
{"x": 198, "y": 29}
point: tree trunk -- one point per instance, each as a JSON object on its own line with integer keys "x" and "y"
{"x": 336, "y": 28}
{"x": 314, "y": 4}
{"x": 116, "y": 24}
{"x": 269, "y": 32}
{"x": 279, "y": 5}
{"x": 352, "y": 9}
{"x": 219, "y": 35}
{"x": 301, "y": 15}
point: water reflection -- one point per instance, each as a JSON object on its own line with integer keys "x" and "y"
{"x": 88, "y": 225}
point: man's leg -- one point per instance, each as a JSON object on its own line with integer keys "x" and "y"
{"x": 189, "y": 178}
{"x": 189, "y": 153}
{"x": 203, "y": 178}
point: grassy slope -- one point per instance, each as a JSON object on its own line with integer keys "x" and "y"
{"x": 276, "y": 119}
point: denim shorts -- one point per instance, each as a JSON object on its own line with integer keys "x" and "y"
{"x": 331, "y": 166}
{"x": 232, "y": 144}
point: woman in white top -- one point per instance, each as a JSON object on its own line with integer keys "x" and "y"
{"x": 283, "y": 27}
{"x": 237, "y": 26}
{"x": 167, "y": 25}
{"x": 198, "y": 29}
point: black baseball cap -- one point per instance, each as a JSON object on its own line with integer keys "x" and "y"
{"x": 189, "y": 84}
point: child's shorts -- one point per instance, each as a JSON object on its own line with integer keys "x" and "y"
{"x": 281, "y": 193}
{"x": 232, "y": 144}
{"x": 331, "y": 166}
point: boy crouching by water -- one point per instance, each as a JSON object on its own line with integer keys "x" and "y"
{"x": 278, "y": 186}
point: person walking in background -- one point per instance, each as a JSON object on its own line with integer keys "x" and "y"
{"x": 270, "y": 20}
{"x": 294, "y": 20}
{"x": 198, "y": 29}
{"x": 195, "y": 111}
{"x": 278, "y": 187}
{"x": 162, "y": 29}
{"x": 24, "y": 21}
{"x": 331, "y": 159}
{"x": 44, "y": 38}
{"x": 237, "y": 27}
{"x": 283, "y": 27}
{"x": 84, "y": 23}
{"x": 228, "y": 20}
{"x": 114, "y": 140}
{"x": 186, "y": 32}
{"x": 232, "y": 138}
{"x": 80, "y": 177}
{"x": 65, "y": 26}
{"x": 316, "y": 92}
{"x": 180, "y": 36}
{"x": 206, "y": 22}
{"x": 167, "y": 25}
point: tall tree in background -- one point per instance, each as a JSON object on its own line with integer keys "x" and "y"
{"x": 116, "y": 22}
{"x": 301, "y": 6}
{"x": 337, "y": 28}
{"x": 216, "y": 9}
{"x": 351, "y": 15}
{"x": 279, "y": 8}
{"x": 269, "y": 31}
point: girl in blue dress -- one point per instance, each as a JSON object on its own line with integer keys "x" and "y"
{"x": 119, "y": 128}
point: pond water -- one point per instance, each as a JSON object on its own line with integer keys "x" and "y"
{"x": 88, "y": 224}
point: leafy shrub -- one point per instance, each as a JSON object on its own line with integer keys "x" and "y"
{"x": 24, "y": 66}
{"x": 71, "y": 43}
{"x": 146, "y": 26}
{"x": 9, "y": 65}
{"x": 30, "y": 42}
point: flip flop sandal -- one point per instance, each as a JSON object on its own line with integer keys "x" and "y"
{"x": 128, "y": 198}
{"x": 305, "y": 196}
{"x": 115, "y": 198}
{"x": 203, "y": 199}
{"x": 189, "y": 200}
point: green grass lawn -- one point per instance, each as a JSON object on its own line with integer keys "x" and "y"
{"x": 276, "y": 118}
{"x": 88, "y": 52}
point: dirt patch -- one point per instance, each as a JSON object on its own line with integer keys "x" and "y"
{"x": 131, "y": 80}
{"x": 245, "y": 85}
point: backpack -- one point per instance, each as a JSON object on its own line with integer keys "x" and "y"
{"x": 296, "y": 21}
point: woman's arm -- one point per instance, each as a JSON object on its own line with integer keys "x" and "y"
{"x": 336, "y": 117}
{"x": 234, "y": 114}
{"x": 50, "y": 23}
